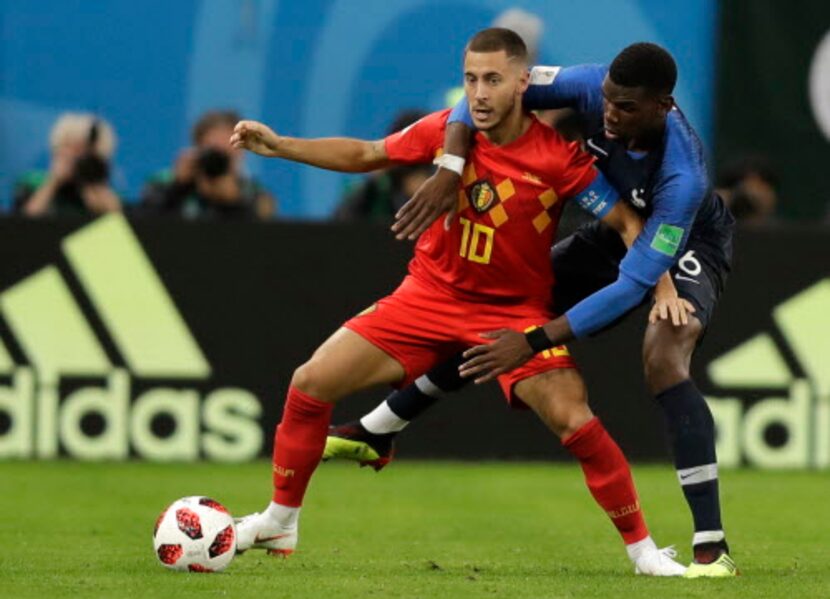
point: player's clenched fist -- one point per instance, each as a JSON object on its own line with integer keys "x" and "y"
{"x": 256, "y": 137}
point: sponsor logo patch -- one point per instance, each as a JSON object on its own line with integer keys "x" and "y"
{"x": 667, "y": 240}
{"x": 543, "y": 75}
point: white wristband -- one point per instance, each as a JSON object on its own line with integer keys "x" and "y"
{"x": 451, "y": 163}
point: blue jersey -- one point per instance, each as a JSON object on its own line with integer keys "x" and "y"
{"x": 669, "y": 186}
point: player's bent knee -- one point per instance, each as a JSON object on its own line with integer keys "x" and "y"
{"x": 571, "y": 420}
{"x": 667, "y": 353}
{"x": 309, "y": 379}
{"x": 559, "y": 398}
{"x": 663, "y": 335}
{"x": 664, "y": 367}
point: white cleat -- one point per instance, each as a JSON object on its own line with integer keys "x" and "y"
{"x": 658, "y": 562}
{"x": 258, "y": 531}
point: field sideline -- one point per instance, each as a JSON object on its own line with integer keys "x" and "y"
{"x": 415, "y": 530}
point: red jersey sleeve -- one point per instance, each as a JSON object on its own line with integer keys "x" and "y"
{"x": 576, "y": 170}
{"x": 420, "y": 141}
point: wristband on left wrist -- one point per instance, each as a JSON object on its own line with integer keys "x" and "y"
{"x": 451, "y": 163}
{"x": 538, "y": 340}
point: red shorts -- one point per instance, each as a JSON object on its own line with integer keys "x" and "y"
{"x": 421, "y": 326}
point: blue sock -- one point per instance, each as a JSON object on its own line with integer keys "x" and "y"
{"x": 692, "y": 433}
{"x": 411, "y": 402}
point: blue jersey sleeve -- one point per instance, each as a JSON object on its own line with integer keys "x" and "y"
{"x": 680, "y": 188}
{"x": 638, "y": 273}
{"x": 605, "y": 306}
{"x": 578, "y": 87}
{"x": 461, "y": 114}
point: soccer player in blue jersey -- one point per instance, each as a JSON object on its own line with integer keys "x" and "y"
{"x": 645, "y": 146}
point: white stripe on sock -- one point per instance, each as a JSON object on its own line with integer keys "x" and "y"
{"x": 707, "y": 536}
{"x": 698, "y": 474}
{"x": 427, "y": 387}
{"x": 383, "y": 420}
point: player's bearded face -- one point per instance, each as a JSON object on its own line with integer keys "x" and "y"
{"x": 493, "y": 84}
{"x": 632, "y": 114}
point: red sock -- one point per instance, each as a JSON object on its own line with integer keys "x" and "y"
{"x": 298, "y": 445}
{"x": 609, "y": 478}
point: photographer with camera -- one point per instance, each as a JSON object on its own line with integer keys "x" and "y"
{"x": 78, "y": 178}
{"x": 207, "y": 180}
{"x": 749, "y": 187}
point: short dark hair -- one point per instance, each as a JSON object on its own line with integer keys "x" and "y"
{"x": 645, "y": 65}
{"x": 495, "y": 39}
{"x": 212, "y": 119}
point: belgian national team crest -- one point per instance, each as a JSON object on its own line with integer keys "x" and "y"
{"x": 483, "y": 196}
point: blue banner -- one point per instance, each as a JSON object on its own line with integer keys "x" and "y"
{"x": 315, "y": 68}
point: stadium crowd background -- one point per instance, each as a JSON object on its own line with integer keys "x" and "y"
{"x": 156, "y": 86}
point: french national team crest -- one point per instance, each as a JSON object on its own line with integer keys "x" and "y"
{"x": 482, "y": 196}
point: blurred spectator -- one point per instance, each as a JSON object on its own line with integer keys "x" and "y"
{"x": 749, "y": 187}
{"x": 77, "y": 182}
{"x": 528, "y": 25}
{"x": 379, "y": 196}
{"x": 207, "y": 180}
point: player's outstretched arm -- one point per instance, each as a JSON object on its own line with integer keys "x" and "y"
{"x": 667, "y": 304}
{"x": 332, "y": 153}
{"x": 639, "y": 271}
{"x": 438, "y": 194}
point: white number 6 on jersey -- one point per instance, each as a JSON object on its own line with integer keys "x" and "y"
{"x": 689, "y": 264}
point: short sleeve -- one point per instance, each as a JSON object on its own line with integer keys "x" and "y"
{"x": 420, "y": 141}
{"x": 576, "y": 171}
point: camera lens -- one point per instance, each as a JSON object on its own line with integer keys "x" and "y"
{"x": 91, "y": 168}
{"x": 213, "y": 163}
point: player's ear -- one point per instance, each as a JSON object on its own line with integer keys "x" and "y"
{"x": 524, "y": 80}
{"x": 665, "y": 104}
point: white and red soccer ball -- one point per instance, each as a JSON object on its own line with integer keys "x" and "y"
{"x": 195, "y": 534}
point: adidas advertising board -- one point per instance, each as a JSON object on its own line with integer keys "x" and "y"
{"x": 163, "y": 340}
{"x": 793, "y": 359}
{"x": 149, "y": 335}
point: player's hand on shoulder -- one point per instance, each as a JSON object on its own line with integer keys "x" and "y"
{"x": 255, "y": 137}
{"x": 436, "y": 196}
{"x": 672, "y": 308}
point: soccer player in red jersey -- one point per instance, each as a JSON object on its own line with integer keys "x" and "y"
{"x": 489, "y": 270}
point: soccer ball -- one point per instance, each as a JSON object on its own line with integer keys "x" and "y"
{"x": 195, "y": 534}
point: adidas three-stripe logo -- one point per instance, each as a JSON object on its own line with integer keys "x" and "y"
{"x": 787, "y": 366}
{"x": 127, "y": 294}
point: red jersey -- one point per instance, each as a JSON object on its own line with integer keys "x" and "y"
{"x": 509, "y": 203}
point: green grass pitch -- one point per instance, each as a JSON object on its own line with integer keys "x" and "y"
{"x": 415, "y": 530}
